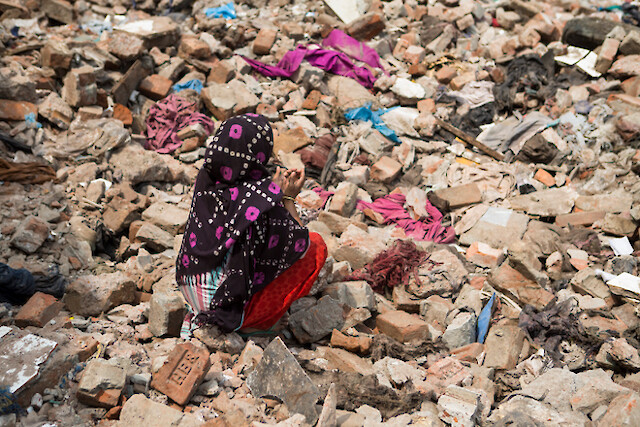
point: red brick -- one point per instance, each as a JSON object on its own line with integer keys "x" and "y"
{"x": 103, "y": 398}
{"x": 608, "y": 52}
{"x": 264, "y": 41}
{"x": 623, "y": 103}
{"x": 545, "y": 177}
{"x": 122, "y": 113}
{"x": 38, "y": 311}
{"x": 446, "y": 74}
{"x": 182, "y": 373}
{"x": 468, "y": 353}
{"x": 192, "y": 46}
{"x": 579, "y": 218}
{"x": 631, "y": 86}
{"x": 222, "y": 72}
{"x": 402, "y": 326}
{"x": 504, "y": 345}
{"x": 312, "y": 100}
{"x": 427, "y": 106}
{"x": 16, "y": 110}
{"x": 385, "y": 170}
{"x": 366, "y": 27}
{"x": 484, "y": 255}
{"x": 461, "y": 195}
{"x": 458, "y": 82}
{"x": 155, "y": 87}
{"x": 353, "y": 344}
{"x": 401, "y": 47}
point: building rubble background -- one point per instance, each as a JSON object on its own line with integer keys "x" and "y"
{"x": 473, "y": 167}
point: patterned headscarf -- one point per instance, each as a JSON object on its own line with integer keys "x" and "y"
{"x": 237, "y": 218}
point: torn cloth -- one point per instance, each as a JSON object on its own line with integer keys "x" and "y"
{"x": 393, "y": 266}
{"x": 343, "y": 42}
{"x": 329, "y": 60}
{"x": 391, "y": 207}
{"x": 167, "y": 118}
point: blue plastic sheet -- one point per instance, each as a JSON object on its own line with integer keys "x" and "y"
{"x": 485, "y": 318}
{"x": 227, "y": 11}
{"x": 194, "y": 84}
{"x": 367, "y": 115}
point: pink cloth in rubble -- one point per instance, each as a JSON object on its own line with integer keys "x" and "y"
{"x": 343, "y": 42}
{"x": 329, "y": 60}
{"x": 391, "y": 207}
{"x": 169, "y": 116}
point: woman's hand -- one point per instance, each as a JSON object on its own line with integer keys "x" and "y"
{"x": 278, "y": 177}
{"x": 293, "y": 182}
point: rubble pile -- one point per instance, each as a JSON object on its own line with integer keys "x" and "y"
{"x": 472, "y": 167}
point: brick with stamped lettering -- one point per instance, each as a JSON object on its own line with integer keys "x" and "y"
{"x": 182, "y": 373}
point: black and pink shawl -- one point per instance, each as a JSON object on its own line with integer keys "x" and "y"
{"x": 237, "y": 218}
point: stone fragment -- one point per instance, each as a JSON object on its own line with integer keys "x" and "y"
{"x": 510, "y": 281}
{"x": 155, "y": 237}
{"x": 30, "y": 234}
{"x": 623, "y": 411}
{"x": 497, "y": 228}
{"x": 318, "y": 321}
{"x": 127, "y": 47}
{"x": 192, "y": 46}
{"x": 93, "y": 295}
{"x": 579, "y": 218}
{"x": 60, "y": 10}
{"x": 344, "y": 199}
{"x": 38, "y": 311}
{"x": 328, "y": 415}
{"x": 169, "y": 217}
{"x": 607, "y": 54}
{"x": 503, "y": 346}
{"x": 551, "y": 202}
{"x": 138, "y": 165}
{"x": 279, "y": 374}
{"x": 350, "y": 94}
{"x": 357, "y": 344}
{"x": 356, "y": 294}
{"x": 630, "y": 44}
{"x": 166, "y": 313}
{"x": 346, "y": 362}
{"x": 182, "y": 373}
{"x": 402, "y": 326}
{"x": 460, "y": 407}
{"x": 460, "y": 196}
{"x": 618, "y": 354}
{"x": 142, "y": 411}
{"x": 461, "y": 331}
{"x": 290, "y": 140}
{"x": 102, "y": 382}
{"x": 230, "y": 99}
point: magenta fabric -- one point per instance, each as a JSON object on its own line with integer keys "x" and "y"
{"x": 166, "y": 118}
{"x": 329, "y": 60}
{"x": 391, "y": 207}
{"x": 343, "y": 42}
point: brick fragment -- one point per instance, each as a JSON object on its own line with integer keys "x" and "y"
{"x": 545, "y": 177}
{"x": 38, "y": 311}
{"x": 366, "y": 27}
{"x": 16, "y": 110}
{"x": 182, "y": 373}
{"x": 402, "y": 326}
{"x": 461, "y": 195}
{"x": 155, "y": 87}
{"x": 385, "y": 170}
{"x": 264, "y": 41}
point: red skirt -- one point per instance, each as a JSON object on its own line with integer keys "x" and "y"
{"x": 267, "y": 306}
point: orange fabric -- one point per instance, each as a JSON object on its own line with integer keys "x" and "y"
{"x": 267, "y": 306}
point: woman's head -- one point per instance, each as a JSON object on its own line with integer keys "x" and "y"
{"x": 240, "y": 149}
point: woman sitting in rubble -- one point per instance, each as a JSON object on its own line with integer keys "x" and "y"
{"x": 245, "y": 255}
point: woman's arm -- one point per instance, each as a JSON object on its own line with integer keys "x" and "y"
{"x": 292, "y": 181}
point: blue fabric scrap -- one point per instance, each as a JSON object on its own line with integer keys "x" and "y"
{"x": 227, "y": 11}
{"x": 484, "y": 319}
{"x": 194, "y": 84}
{"x": 367, "y": 115}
